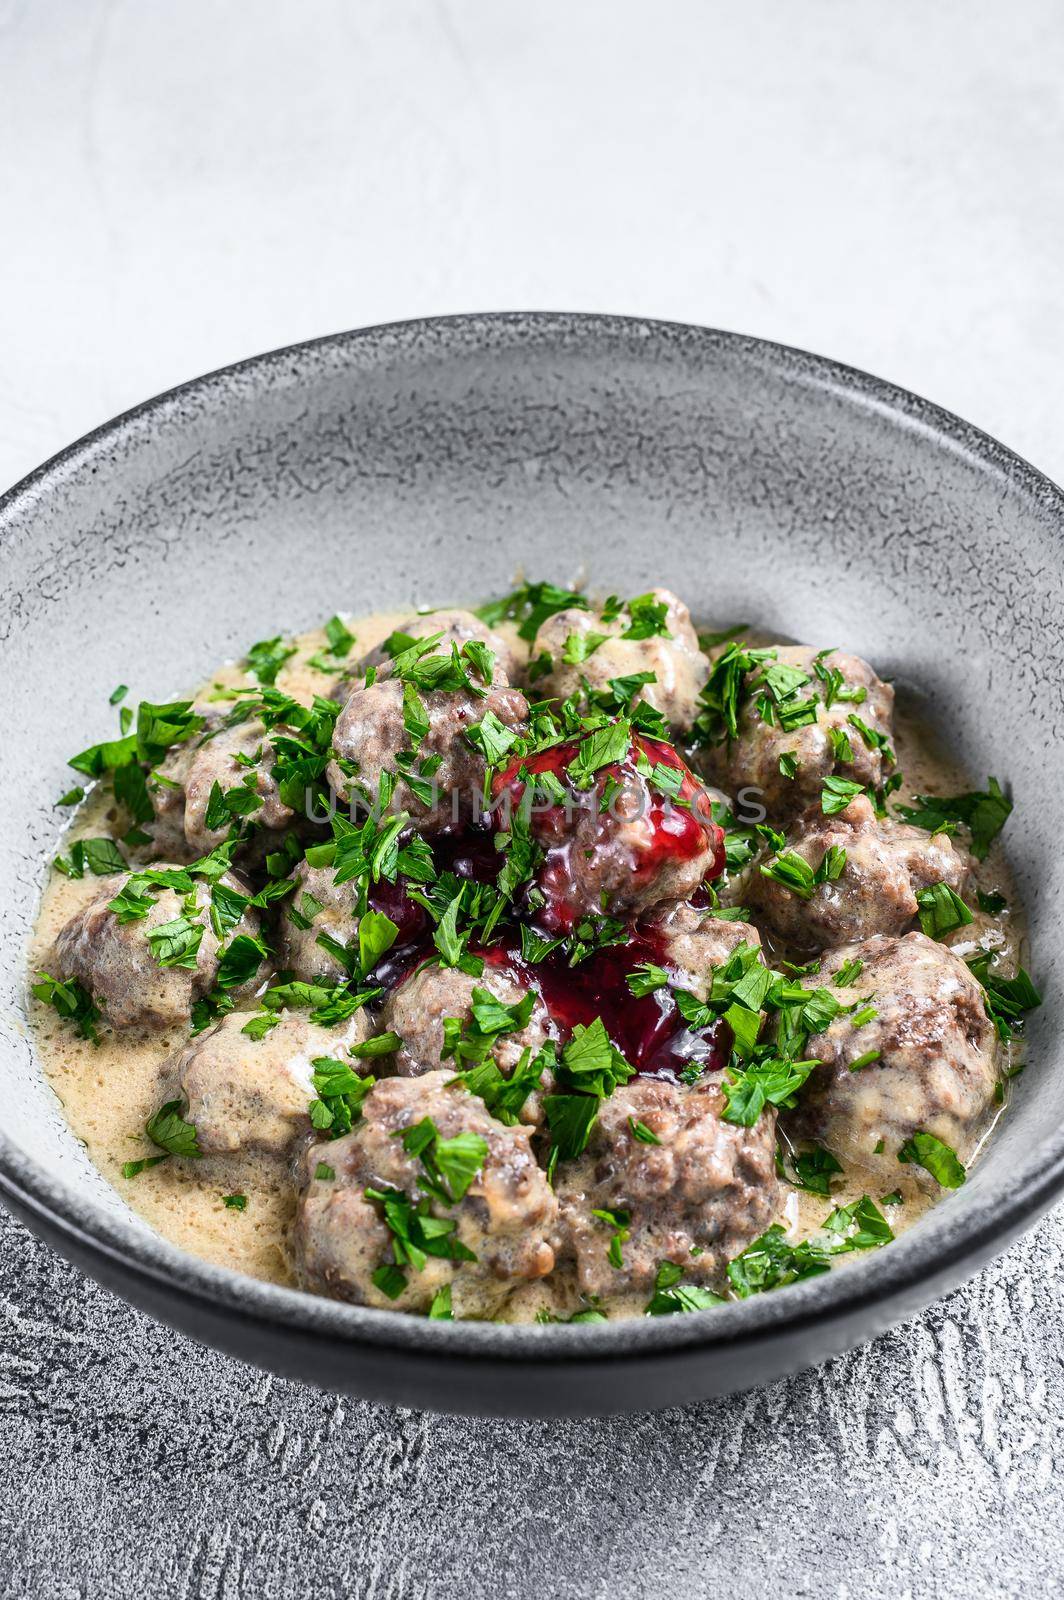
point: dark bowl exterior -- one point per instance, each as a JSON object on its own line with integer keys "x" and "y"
{"x": 426, "y": 462}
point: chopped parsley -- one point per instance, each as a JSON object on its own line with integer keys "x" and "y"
{"x": 530, "y": 605}
{"x": 170, "y": 1132}
{"x": 176, "y": 943}
{"x": 1007, "y": 1000}
{"x": 984, "y": 813}
{"x": 449, "y": 1166}
{"x": 671, "y": 1295}
{"x": 941, "y": 910}
{"x": 795, "y": 873}
{"x": 266, "y": 658}
{"x": 645, "y": 978}
{"x": 340, "y": 1092}
{"x": 925, "y": 1150}
{"x": 814, "y": 1170}
{"x": 415, "y": 1236}
{"x": 837, "y": 794}
{"x": 619, "y": 1223}
{"x": 73, "y": 1003}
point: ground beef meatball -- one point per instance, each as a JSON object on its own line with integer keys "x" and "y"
{"x": 936, "y": 1068}
{"x": 182, "y": 792}
{"x": 415, "y": 1010}
{"x": 507, "y": 1218}
{"x": 679, "y": 666}
{"x": 115, "y": 961}
{"x": 457, "y": 627}
{"x": 255, "y": 1094}
{"x": 887, "y": 862}
{"x": 620, "y": 850}
{"x": 370, "y": 733}
{"x": 752, "y": 761}
{"x": 297, "y": 948}
{"x": 708, "y": 1187}
{"x": 696, "y": 942}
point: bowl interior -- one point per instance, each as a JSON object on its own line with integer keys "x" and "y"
{"x": 431, "y": 462}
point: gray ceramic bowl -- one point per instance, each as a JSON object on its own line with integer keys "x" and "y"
{"x": 426, "y": 462}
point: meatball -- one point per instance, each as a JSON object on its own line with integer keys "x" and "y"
{"x": 625, "y": 844}
{"x": 189, "y": 774}
{"x": 370, "y": 734}
{"x": 679, "y": 666}
{"x": 752, "y": 761}
{"x": 929, "y": 1054}
{"x": 457, "y": 627}
{"x": 696, "y": 942}
{"x": 886, "y": 863}
{"x": 415, "y": 1010}
{"x": 297, "y": 948}
{"x": 255, "y": 1094}
{"x": 506, "y": 1219}
{"x": 695, "y": 1198}
{"x": 117, "y": 963}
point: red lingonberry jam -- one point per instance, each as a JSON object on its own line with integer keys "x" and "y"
{"x": 647, "y": 1029}
{"x": 676, "y": 828}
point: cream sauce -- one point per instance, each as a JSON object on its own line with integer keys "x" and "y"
{"x": 108, "y": 1091}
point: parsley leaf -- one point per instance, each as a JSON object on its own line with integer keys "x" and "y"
{"x": 837, "y": 794}
{"x": 1007, "y": 1000}
{"x": 645, "y": 978}
{"x": 531, "y": 605}
{"x": 340, "y": 1092}
{"x": 240, "y": 960}
{"x": 176, "y": 943}
{"x": 924, "y": 1150}
{"x": 605, "y": 747}
{"x": 168, "y": 1130}
{"x": 941, "y": 910}
{"x": 266, "y": 658}
{"x": 71, "y": 1001}
{"x": 671, "y": 1295}
{"x": 983, "y": 812}
{"x": 772, "y": 1261}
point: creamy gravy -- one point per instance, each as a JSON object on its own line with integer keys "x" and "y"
{"x": 107, "y": 1091}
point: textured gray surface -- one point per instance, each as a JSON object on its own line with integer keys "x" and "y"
{"x": 135, "y": 1462}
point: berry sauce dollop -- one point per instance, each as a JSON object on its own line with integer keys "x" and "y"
{"x": 648, "y": 806}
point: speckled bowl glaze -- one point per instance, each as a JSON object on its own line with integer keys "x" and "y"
{"x": 426, "y": 462}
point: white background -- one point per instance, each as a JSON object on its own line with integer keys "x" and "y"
{"x": 182, "y": 185}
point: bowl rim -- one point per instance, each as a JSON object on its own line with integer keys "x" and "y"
{"x": 917, "y": 1266}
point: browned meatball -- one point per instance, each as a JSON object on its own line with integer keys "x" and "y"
{"x": 696, "y": 1198}
{"x": 752, "y": 761}
{"x": 416, "y": 1008}
{"x": 679, "y": 667}
{"x": 696, "y": 942}
{"x": 618, "y": 850}
{"x": 370, "y": 734}
{"x": 189, "y": 774}
{"x": 255, "y": 1094}
{"x": 457, "y": 627}
{"x": 297, "y": 948}
{"x": 116, "y": 961}
{"x": 615, "y": 865}
{"x": 506, "y": 1218}
{"x": 934, "y": 1063}
{"x": 887, "y": 862}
